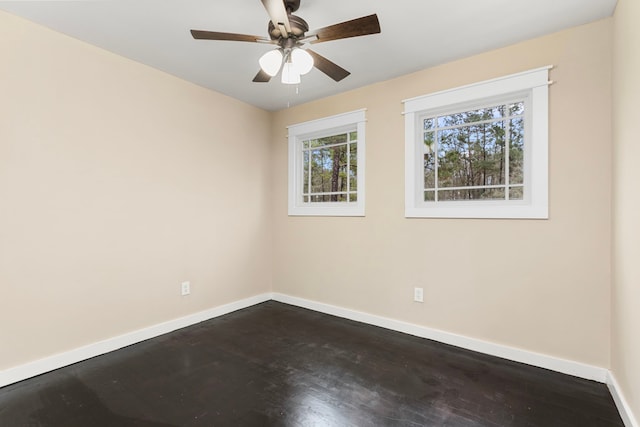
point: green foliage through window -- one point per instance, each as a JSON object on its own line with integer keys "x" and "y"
{"x": 330, "y": 168}
{"x": 475, "y": 155}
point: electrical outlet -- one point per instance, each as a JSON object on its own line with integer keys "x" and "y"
{"x": 418, "y": 294}
{"x": 185, "y": 288}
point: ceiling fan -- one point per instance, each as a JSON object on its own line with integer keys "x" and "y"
{"x": 290, "y": 33}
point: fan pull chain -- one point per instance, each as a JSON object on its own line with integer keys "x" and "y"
{"x": 297, "y": 89}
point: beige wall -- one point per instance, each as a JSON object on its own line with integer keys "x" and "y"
{"x": 117, "y": 182}
{"x": 626, "y": 208}
{"x": 539, "y": 285}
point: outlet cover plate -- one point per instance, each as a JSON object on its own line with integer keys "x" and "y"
{"x": 418, "y": 294}
{"x": 185, "y": 288}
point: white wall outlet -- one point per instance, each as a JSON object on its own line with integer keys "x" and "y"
{"x": 418, "y": 294}
{"x": 185, "y": 288}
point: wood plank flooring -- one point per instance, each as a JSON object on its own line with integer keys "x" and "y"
{"x": 278, "y": 365}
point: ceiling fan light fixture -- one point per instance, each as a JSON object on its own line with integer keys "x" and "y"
{"x": 289, "y": 33}
{"x": 271, "y": 61}
{"x": 302, "y": 60}
{"x": 290, "y": 74}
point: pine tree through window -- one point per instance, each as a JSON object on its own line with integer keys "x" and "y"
{"x": 479, "y": 151}
{"x": 326, "y": 166}
{"x": 475, "y": 154}
{"x": 331, "y": 168}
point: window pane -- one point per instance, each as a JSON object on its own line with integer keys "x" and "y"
{"x": 429, "y": 160}
{"x": 353, "y": 172}
{"x": 489, "y": 194}
{"x": 328, "y": 170}
{"x": 445, "y": 195}
{"x": 429, "y": 196}
{"x": 472, "y": 194}
{"x": 328, "y": 140}
{"x": 430, "y": 171}
{"x": 516, "y": 109}
{"x": 471, "y": 155}
{"x": 451, "y": 148}
{"x": 516, "y": 151}
{"x": 353, "y": 197}
{"x": 428, "y": 123}
{"x": 471, "y": 116}
{"x": 327, "y": 167}
{"x": 515, "y": 193}
{"x": 320, "y": 198}
{"x": 320, "y": 167}
{"x": 305, "y": 183}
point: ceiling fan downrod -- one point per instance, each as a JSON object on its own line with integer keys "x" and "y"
{"x": 291, "y": 5}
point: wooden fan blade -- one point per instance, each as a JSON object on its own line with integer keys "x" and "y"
{"x": 278, "y": 15}
{"x": 262, "y": 77}
{"x": 331, "y": 69}
{"x": 354, "y": 28}
{"x": 214, "y": 35}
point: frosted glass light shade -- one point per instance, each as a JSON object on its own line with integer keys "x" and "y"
{"x": 290, "y": 74}
{"x": 270, "y": 62}
{"x": 302, "y": 60}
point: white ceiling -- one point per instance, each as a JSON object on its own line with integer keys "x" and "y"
{"x": 416, "y": 34}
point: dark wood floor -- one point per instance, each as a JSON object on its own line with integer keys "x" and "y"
{"x": 278, "y": 365}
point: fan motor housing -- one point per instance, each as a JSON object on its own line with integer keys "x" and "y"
{"x": 298, "y": 27}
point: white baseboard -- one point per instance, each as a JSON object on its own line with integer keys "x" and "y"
{"x": 621, "y": 403}
{"x": 31, "y": 369}
{"x": 57, "y": 361}
{"x": 564, "y": 366}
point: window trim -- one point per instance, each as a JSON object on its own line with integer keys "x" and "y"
{"x": 354, "y": 120}
{"x": 535, "y": 205}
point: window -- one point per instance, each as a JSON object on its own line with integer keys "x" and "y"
{"x": 479, "y": 151}
{"x": 326, "y": 166}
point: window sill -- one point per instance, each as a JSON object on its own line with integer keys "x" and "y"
{"x": 327, "y": 210}
{"x": 465, "y": 210}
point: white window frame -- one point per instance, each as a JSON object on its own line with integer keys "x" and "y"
{"x": 530, "y": 85}
{"x": 346, "y": 122}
